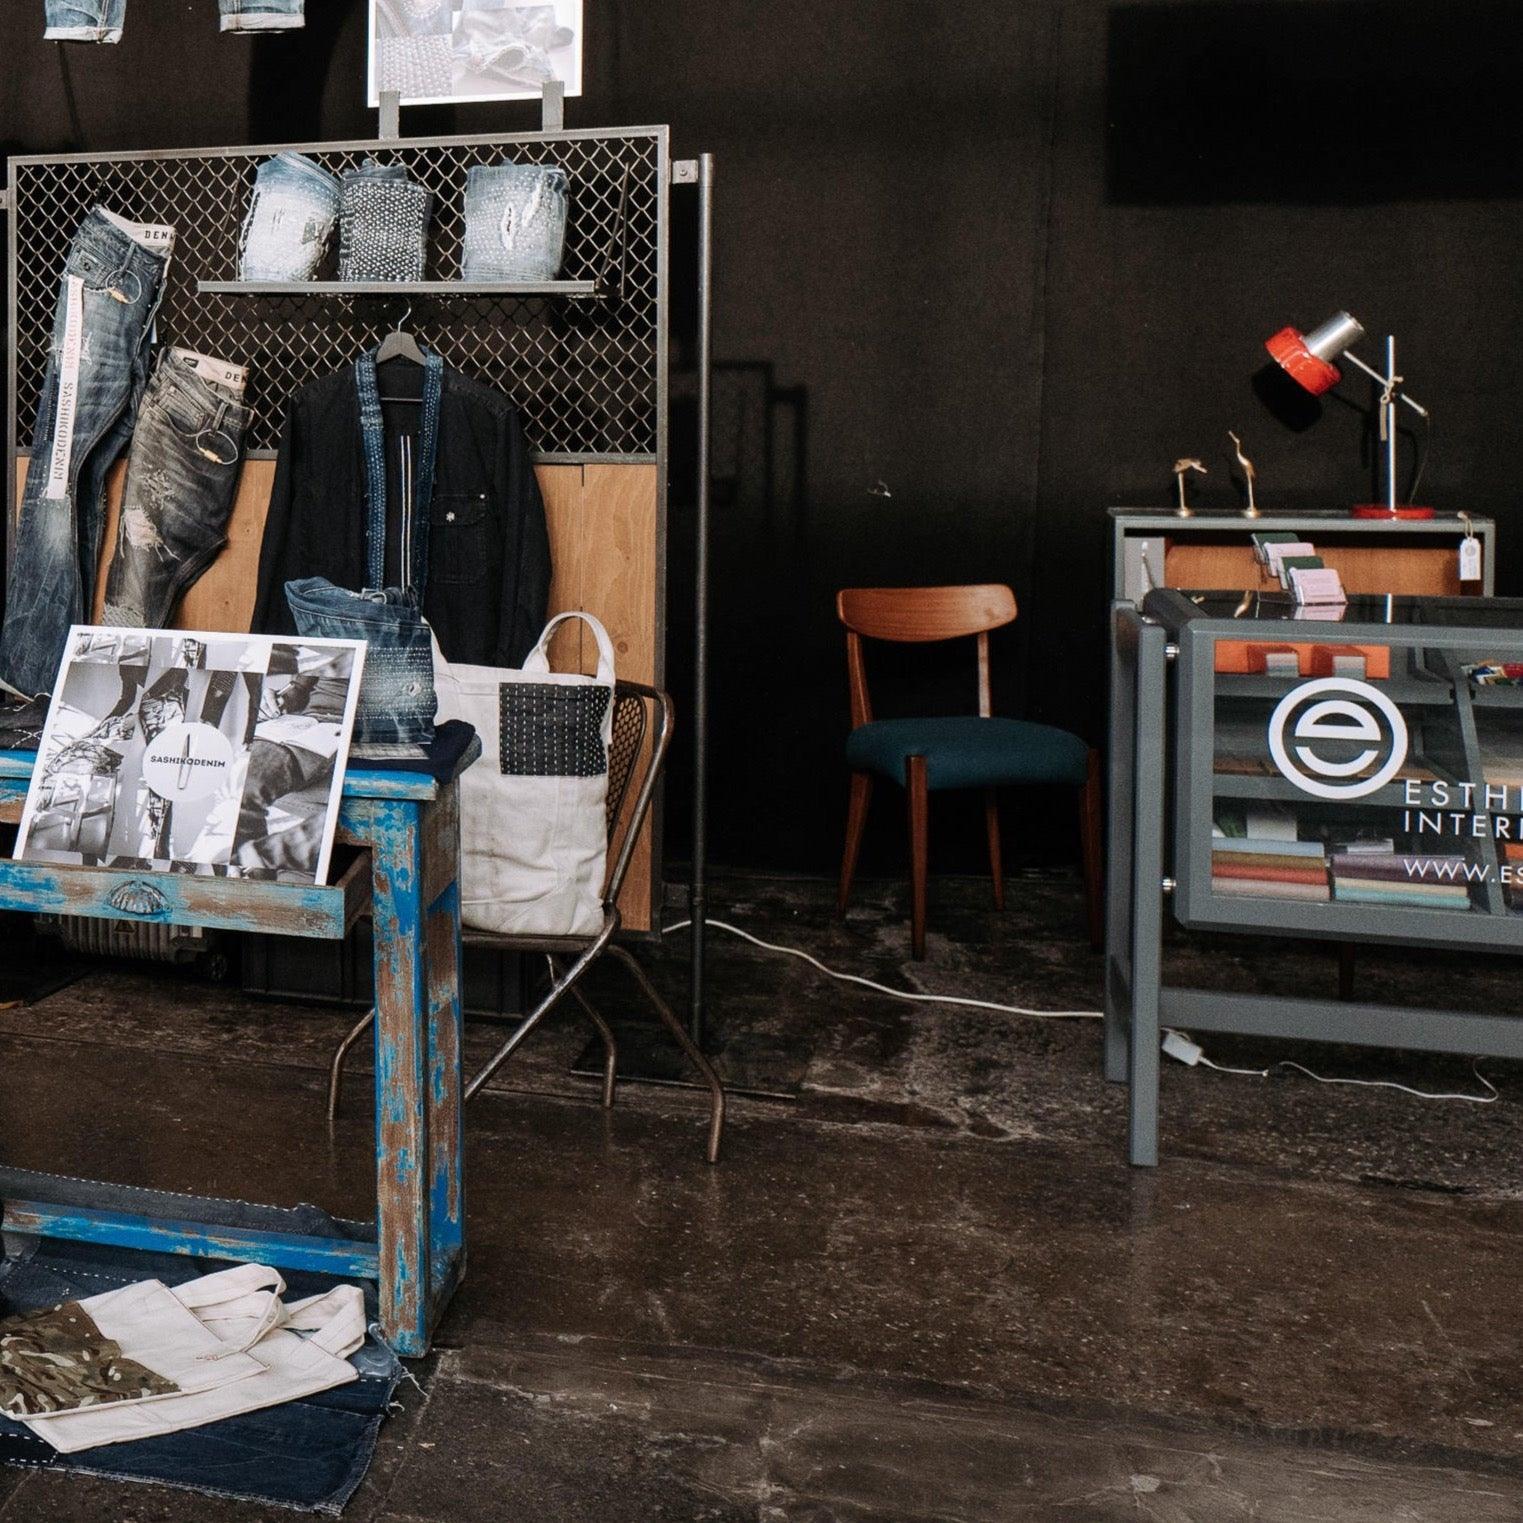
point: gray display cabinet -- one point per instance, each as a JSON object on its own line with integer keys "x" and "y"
{"x": 1353, "y": 774}
{"x": 1152, "y": 549}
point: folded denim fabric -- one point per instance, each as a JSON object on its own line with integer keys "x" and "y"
{"x": 397, "y": 703}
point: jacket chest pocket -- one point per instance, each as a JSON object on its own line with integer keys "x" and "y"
{"x": 459, "y": 543}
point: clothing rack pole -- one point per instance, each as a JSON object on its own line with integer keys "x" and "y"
{"x": 698, "y": 897}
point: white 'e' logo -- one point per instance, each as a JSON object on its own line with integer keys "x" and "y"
{"x": 1356, "y": 727}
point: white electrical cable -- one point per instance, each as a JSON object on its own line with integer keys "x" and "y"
{"x": 1074, "y": 1015}
{"x": 867, "y": 983}
{"x": 1421, "y": 1094}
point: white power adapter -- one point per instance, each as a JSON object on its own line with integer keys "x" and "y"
{"x": 1181, "y": 1048}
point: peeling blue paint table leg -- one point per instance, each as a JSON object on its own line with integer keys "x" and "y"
{"x": 411, "y": 826}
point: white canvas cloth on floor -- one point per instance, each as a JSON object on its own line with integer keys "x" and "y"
{"x": 227, "y": 1340}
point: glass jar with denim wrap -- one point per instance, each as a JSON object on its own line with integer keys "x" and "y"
{"x": 397, "y": 702}
{"x": 383, "y": 224}
{"x": 515, "y": 222}
{"x": 290, "y": 220}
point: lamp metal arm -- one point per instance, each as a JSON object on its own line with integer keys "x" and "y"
{"x": 1385, "y": 381}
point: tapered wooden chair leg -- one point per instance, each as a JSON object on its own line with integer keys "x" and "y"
{"x": 919, "y": 805}
{"x": 996, "y": 863}
{"x": 856, "y": 818}
{"x": 1091, "y": 837}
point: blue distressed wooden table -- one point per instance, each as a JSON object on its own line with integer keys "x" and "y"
{"x": 405, "y": 871}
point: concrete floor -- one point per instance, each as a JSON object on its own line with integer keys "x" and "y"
{"x": 926, "y": 1288}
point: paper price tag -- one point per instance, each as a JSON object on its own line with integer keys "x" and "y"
{"x": 1470, "y": 559}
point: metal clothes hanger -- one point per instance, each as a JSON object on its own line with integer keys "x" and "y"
{"x": 399, "y": 344}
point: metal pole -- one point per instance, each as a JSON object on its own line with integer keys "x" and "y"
{"x": 698, "y": 894}
{"x": 1388, "y": 423}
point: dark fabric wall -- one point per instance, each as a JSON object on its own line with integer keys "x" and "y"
{"x": 982, "y": 271}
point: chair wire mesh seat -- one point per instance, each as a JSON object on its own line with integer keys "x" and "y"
{"x": 634, "y": 768}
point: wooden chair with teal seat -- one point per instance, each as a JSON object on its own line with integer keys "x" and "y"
{"x": 978, "y": 750}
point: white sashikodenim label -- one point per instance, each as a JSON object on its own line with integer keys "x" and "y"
{"x": 218, "y": 372}
{"x": 68, "y": 389}
{"x": 1470, "y": 559}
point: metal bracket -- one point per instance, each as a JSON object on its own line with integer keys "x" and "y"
{"x": 1168, "y": 885}
{"x": 552, "y": 106}
{"x": 5, "y": 198}
{"x": 684, "y": 171}
{"x": 1171, "y": 652}
{"x": 391, "y": 116}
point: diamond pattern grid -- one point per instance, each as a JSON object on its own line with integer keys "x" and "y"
{"x": 582, "y": 373}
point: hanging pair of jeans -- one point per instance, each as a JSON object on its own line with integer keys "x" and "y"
{"x": 181, "y": 480}
{"x": 103, "y": 20}
{"x": 97, "y": 369}
{"x": 397, "y": 702}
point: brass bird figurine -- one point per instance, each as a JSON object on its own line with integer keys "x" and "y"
{"x": 1249, "y": 474}
{"x": 1181, "y": 467}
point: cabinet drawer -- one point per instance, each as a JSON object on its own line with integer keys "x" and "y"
{"x": 228, "y": 904}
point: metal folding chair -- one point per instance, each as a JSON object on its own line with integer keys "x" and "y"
{"x": 638, "y": 710}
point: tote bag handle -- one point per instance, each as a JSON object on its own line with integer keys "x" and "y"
{"x": 538, "y": 659}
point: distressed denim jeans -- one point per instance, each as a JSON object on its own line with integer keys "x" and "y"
{"x": 97, "y": 368}
{"x": 290, "y": 219}
{"x": 102, "y": 20}
{"x": 397, "y": 702}
{"x": 181, "y": 480}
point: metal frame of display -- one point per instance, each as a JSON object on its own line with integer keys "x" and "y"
{"x": 586, "y": 359}
{"x": 1161, "y": 745}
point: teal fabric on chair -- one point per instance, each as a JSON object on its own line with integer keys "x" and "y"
{"x": 967, "y": 751}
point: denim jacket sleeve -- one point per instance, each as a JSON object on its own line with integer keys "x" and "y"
{"x": 526, "y": 565}
{"x": 272, "y": 615}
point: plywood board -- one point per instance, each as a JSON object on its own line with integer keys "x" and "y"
{"x": 603, "y": 523}
{"x": 1415, "y": 570}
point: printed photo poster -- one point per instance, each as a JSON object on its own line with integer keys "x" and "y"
{"x": 215, "y": 754}
{"x": 433, "y": 52}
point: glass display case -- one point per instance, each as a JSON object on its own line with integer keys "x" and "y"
{"x": 1354, "y": 771}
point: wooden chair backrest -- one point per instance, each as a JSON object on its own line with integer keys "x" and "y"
{"x": 920, "y": 615}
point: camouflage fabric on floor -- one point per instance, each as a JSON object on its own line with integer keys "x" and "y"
{"x": 58, "y": 1359}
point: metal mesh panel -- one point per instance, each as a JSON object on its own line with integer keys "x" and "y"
{"x": 584, "y": 374}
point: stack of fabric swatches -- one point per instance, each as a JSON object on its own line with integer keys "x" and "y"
{"x": 1401, "y": 878}
{"x": 1263, "y": 868}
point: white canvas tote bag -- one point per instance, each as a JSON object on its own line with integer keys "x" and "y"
{"x": 227, "y": 1340}
{"x": 533, "y": 808}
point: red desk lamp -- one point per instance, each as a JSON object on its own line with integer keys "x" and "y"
{"x": 1308, "y": 359}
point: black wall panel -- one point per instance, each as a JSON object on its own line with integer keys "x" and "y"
{"x": 983, "y": 270}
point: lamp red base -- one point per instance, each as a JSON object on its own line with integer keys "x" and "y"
{"x": 1380, "y": 510}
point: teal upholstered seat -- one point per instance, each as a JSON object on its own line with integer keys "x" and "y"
{"x": 966, "y": 751}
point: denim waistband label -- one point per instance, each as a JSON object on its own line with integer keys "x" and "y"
{"x": 68, "y": 389}
{"x": 153, "y": 236}
{"x": 218, "y": 372}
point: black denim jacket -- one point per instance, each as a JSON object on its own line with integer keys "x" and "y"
{"x": 489, "y": 554}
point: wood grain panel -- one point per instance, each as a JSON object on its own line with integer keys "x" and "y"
{"x": 1413, "y": 570}
{"x": 603, "y": 522}
{"x": 619, "y": 511}
{"x": 561, "y": 486}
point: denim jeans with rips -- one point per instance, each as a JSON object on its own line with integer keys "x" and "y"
{"x": 290, "y": 220}
{"x": 97, "y": 368}
{"x": 181, "y": 480}
{"x": 103, "y": 20}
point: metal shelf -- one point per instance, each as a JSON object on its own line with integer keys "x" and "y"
{"x": 571, "y": 290}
